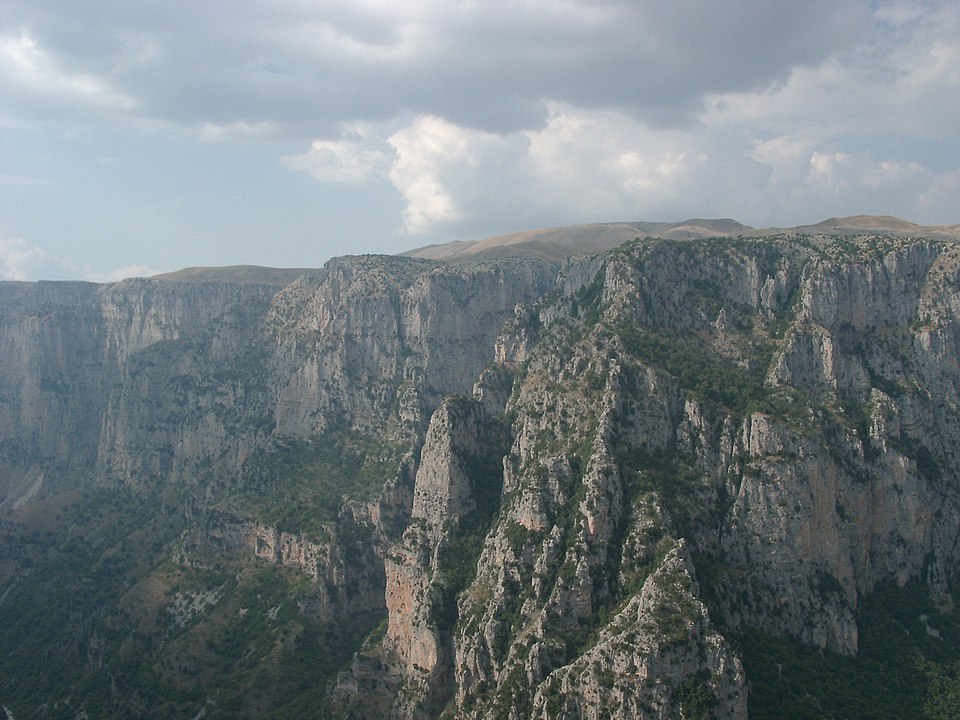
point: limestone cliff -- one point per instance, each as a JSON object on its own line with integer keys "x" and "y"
{"x": 369, "y": 334}
{"x": 457, "y": 488}
{"x": 156, "y": 380}
{"x": 569, "y": 488}
{"x": 734, "y": 405}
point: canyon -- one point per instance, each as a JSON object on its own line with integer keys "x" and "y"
{"x": 541, "y": 485}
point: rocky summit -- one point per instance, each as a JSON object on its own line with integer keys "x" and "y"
{"x": 689, "y": 477}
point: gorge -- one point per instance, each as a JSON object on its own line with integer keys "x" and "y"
{"x": 686, "y": 477}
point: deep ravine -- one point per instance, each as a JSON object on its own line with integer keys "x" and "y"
{"x": 606, "y": 486}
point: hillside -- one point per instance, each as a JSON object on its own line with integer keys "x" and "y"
{"x": 244, "y": 274}
{"x": 554, "y": 243}
{"x": 685, "y": 477}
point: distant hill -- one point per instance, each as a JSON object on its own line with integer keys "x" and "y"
{"x": 552, "y": 243}
{"x": 235, "y": 274}
{"x": 884, "y": 224}
{"x": 556, "y": 242}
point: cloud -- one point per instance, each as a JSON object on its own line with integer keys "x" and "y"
{"x": 21, "y": 180}
{"x": 804, "y": 176}
{"x": 860, "y": 128}
{"x": 580, "y": 164}
{"x": 475, "y": 118}
{"x": 597, "y": 165}
{"x": 939, "y": 201}
{"x": 91, "y": 274}
{"x": 437, "y": 167}
{"x": 902, "y": 80}
{"x": 310, "y": 67}
{"x": 30, "y": 77}
{"x": 235, "y": 131}
{"x": 18, "y": 260}
{"x": 608, "y": 162}
{"x": 354, "y": 158}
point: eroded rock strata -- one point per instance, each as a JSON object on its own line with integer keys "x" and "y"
{"x": 564, "y": 489}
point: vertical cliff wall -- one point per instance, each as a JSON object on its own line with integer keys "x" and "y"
{"x": 567, "y": 489}
{"x": 707, "y": 438}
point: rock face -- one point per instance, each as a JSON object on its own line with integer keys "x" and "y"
{"x": 567, "y": 486}
{"x": 657, "y": 656}
{"x": 369, "y": 333}
{"x": 457, "y": 486}
{"x": 152, "y": 380}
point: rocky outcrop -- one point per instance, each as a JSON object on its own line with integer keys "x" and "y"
{"x": 731, "y": 405}
{"x": 657, "y": 656}
{"x": 83, "y": 369}
{"x": 457, "y": 488}
{"x": 52, "y": 386}
{"x": 569, "y": 581}
{"x": 839, "y": 495}
{"x": 568, "y": 486}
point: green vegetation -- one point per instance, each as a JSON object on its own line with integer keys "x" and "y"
{"x": 693, "y": 698}
{"x": 70, "y": 577}
{"x": 586, "y": 301}
{"x": 680, "y": 488}
{"x": 299, "y": 484}
{"x": 99, "y": 620}
{"x": 112, "y": 611}
{"x": 908, "y": 666}
{"x": 703, "y": 373}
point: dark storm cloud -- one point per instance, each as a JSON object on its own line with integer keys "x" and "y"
{"x": 304, "y": 67}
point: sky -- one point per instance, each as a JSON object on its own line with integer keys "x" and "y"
{"x": 143, "y": 137}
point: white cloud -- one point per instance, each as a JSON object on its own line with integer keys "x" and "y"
{"x": 433, "y": 159}
{"x": 586, "y": 166}
{"x": 22, "y": 180}
{"x": 608, "y": 161}
{"x": 938, "y": 201}
{"x": 581, "y": 163}
{"x": 485, "y": 117}
{"x": 898, "y": 13}
{"x": 904, "y": 79}
{"x": 237, "y": 130}
{"x": 18, "y": 260}
{"x": 847, "y": 176}
{"x": 354, "y": 158}
{"x": 812, "y": 142}
{"x": 806, "y": 178}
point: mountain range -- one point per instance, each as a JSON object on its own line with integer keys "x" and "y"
{"x": 561, "y": 241}
{"x": 646, "y": 470}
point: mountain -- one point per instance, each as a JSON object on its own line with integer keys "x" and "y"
{"x": 236, "y": 274}
{"x": 885, "y": 224}
{"x": 554, "y": 243}
{"x": 692, "y": 477}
